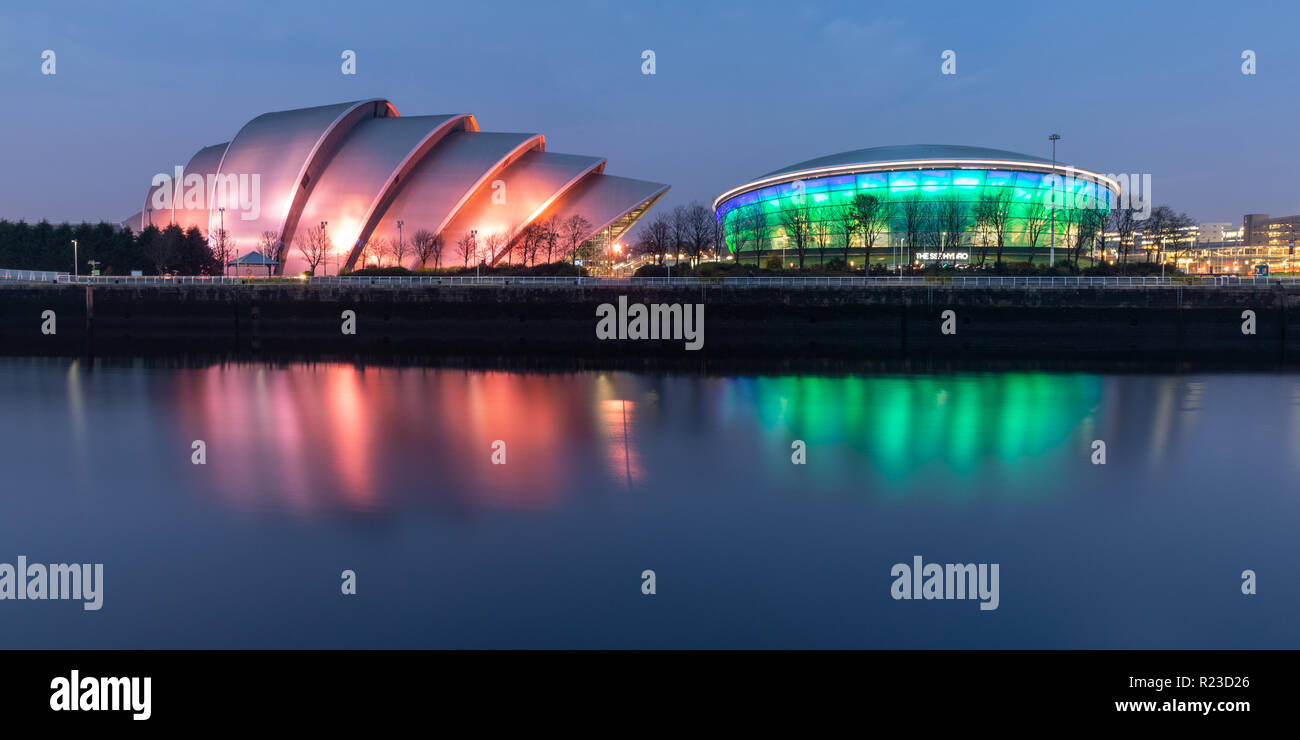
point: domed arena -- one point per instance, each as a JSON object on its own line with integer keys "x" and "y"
{"x": 913, "y": 205}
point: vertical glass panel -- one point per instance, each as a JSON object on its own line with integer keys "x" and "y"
{"x": 873, "y": 180}
{"x": 935, "y": 181}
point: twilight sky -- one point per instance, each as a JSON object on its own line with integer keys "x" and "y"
{"x": 740, "y": 88}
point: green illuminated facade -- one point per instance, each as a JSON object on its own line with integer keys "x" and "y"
{"x": 919, "y": 204}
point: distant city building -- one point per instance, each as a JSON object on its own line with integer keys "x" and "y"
{"x": 1219, "y": 232}
{"x": 1259, "y": 230}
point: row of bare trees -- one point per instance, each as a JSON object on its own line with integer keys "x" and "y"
{"x": 552, "y": 238}
{"x": 688, "y": 230}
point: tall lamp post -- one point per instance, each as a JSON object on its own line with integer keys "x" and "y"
{"x": 75, "y": 262}
{"x": 325, "y": 246}
{"x": 473, "y": 240}
{"x": 399, "y": 235}
{"x": 225, "y": 243}
{"x": 1051, "y": 262}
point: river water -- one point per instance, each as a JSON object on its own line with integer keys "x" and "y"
{"x": 313, "y": 469}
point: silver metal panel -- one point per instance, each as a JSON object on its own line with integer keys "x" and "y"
{"x": 357, "y": 177}
{"x": 283, "y": 150}
{"x": 446, "y": 178}
{"x": 204, "y": 163}
{"x": 604, "y": 200}
{"x": 526, "y": 188}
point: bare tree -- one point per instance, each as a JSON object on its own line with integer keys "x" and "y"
{"x": 872, "y": 215}
{"x": 656, "y": 238}
{"x": 270, "y": 247}
{"x": 375, "y": 248}
{"x": 1035, "y": 219}
{"x": 550, "y": 237}
{"x": 845, "y": 225}
{"x": 821, "y": 233}
{"x": 222, "y": 246}
{"x": 760, "y": 228}
{"x": 1166, "y": 228}
{"x": 528, "y": 242}
{"x": 495, "y": 246}
{"x": 796, "y": 221}
{"x": 992, "y": 214}
{"x": 699, "y": 231}
{"x": 1091, "y": 223}
{"x": 681, "y": 223}
{"x": 734, "y": 231}
{"x": 573, "y": 232}
{"x": 467, "y": 245}
{"x": 427, "y": 245}
{"x": 954, "y": 219}
{"x": 1122, "y": 221}
{"x": 916, "y": 215}
{"x": 398, "y": 249}
{"x": 717, "y": 236}
{"x": 314, "y": 246}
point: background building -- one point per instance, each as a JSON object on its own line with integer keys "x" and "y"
{"x": 917, "y": 204}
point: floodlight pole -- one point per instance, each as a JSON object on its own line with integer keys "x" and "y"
{"x": 324, "y": 245}
{"x": 225, "y": 245}
{"x": 1051, "y": 262}
{"x": 399, "y": 235}
{"x": 76, "y": 270}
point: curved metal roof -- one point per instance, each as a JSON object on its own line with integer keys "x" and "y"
{"x": 204, "y": 163}
{"x": 911, "y": 156}
{"x": 909, "y": 153}
{"x": 360, "y": 166}
{"x": 361, "y": 178}
{"x": 609, "y": 202}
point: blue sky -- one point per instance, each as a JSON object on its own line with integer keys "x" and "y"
{"x": 740, "y": 88}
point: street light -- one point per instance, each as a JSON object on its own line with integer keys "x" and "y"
{"x": 1051, "y": 262}
{"x": 323, "y": 245}
{"x": 473, "y": 241}
{"x": 75, "y": 270}
{"x": 399, "y": 234}
{"x": 224, "y": 242}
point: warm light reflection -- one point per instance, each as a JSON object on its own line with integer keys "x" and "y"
{"x": 621, "y": 456}
{"x": 317, "y": 437}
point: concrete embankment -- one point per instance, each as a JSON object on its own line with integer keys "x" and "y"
{"x": 761, "y": 322}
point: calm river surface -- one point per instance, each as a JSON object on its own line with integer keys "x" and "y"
{"x": 317, "y": 468}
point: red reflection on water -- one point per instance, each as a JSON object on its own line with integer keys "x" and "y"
{"x": 323, "y": 437}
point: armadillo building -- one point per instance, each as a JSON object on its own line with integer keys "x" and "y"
{"x": 361, "y": 174}
{"x": 930, "y": 203}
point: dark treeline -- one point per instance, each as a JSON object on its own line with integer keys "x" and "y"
{"x": 45, "y": 246}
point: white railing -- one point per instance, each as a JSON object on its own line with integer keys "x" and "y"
{"x": 38, "y": 276}
{"x": 955, "y": 281}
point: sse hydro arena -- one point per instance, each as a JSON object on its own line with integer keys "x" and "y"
{"x": 933, "y": 204}
{"x": 362, "y": 173}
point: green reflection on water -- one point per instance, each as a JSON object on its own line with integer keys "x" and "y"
{"x": 901, "y": 424}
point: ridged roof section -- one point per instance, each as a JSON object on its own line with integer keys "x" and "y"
{"x": 908, "y": 153}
